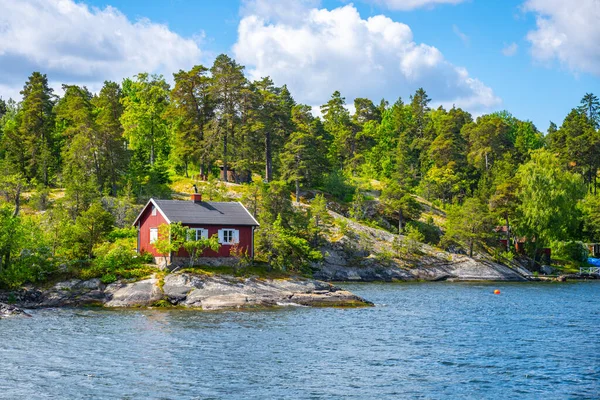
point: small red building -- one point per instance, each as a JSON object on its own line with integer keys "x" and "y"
{"x": 230, "y": 221}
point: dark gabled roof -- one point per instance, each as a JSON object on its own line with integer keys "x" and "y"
{"x": 203, "y": 212}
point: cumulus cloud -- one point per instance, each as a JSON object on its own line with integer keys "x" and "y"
{"x": 329, "y": 50}
{"x": 76, "y": 44}
{"x": 567, "y": 32}
{"x": 406, "y": 5}
{"x": 510, "y": 49}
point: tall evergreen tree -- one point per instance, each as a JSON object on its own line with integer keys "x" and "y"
{"x": 114, "y": 158}
{"x": 590, "y": 106}
{"x": 191, "y": 110}
{"x": 33, "y": 146}
{"x": 228, "y": 83}
{"x": 303, "y": 159}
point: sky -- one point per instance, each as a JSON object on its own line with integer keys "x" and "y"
{"x": 534, "y": 58}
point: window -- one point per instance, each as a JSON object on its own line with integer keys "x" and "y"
{"x": 153, "y": 211}
{"x": 153, "y": 235}
{"x": 198, "y": 233}
{"x": 229, "y": 236}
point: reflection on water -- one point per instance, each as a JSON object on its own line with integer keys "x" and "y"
{"x": 437, "y": 340}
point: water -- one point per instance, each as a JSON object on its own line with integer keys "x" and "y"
{"x": 433, "y": 340}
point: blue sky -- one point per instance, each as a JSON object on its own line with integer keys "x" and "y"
{"x": 535, "y": 58}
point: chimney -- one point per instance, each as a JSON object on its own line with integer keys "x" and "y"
{"x": 196, "y": 197}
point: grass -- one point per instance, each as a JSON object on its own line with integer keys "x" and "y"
{"x": 258, "y": 270}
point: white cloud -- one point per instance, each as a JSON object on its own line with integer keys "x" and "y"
{"x": 406, "y": 5}
{"x": 326, "y": 50}
{"x": 465, "y": 39}
{"x": 510, "y": 49}
{"x": 568, "y": 32}
{"x": 76, "y": 44}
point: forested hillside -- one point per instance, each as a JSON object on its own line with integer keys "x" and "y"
{"x": 76, "y": 169}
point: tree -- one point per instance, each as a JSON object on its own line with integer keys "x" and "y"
{"x": 171, "y": 238}
{"x": 302, "y": 159}
{"x": 276, "y": 203}
{"x": 469, "y": 224}
{"x": 82, "y": 165}
{"x": 319, "y": 217}
{"x": 144, "y": 103}
{"x": 113, "y": 156}
{"x": 548, "y": 197}
{"x": 395, "y": 200}
{"x": 10, "y": 232}
{"x": 337, "y": 123}
{"x": 90, "y": 228}
{"x": 195, "y": 245}
{"x": 3, "y": 107}
{"x": 488, "y": 138}
{"x": 590, "y": 105}
{"x": 504, "y": 203}
{"x": 228, "y": 83}
{"x": 191, "y": 109}
{"x": 32, "y": 146}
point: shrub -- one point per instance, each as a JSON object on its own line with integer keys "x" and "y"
{"x": 572, "y": 251}
{"x": 338, "y": 186}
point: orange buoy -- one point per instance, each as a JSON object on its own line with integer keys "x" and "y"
{"x": 496, "y": 291}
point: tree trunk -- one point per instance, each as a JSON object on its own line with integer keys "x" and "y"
{"x": 297, "y": 190}
{"x": 17, "y": 200}
{"x": 400, "y": 221}
{"x": 225, "y": 157}
{"x": 507, "y": 233}
{"x": 268, "y": 158}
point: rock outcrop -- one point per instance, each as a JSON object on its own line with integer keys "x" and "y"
{"x": 363, "y": 253}
{"x": 190, "y": 291}
{"x": 8, "y": 310}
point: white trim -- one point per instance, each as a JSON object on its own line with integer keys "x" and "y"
{"x": 150, "y": 235}
{"x": 235, "y": 236}
{"x": 203, "y": 233}
{"x": 151, "y": 201}
{"x": 249, "y": 213}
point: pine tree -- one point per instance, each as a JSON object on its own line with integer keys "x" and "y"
{"x": 33, "y": 146}
{"x": 228, "y": 83}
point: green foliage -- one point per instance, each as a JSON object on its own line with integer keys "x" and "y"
{"x": 548, "y": 198}
{"x": 117, "y": 258}
{"x": 397, "y": 201}
{"x": 338, "y": 186}
{"x": 469, "y": 225}
{"x": 570, "y": 251}
{"x": 85, "y": 162}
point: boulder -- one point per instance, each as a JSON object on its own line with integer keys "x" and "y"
{"x": 136, "y": 294}
{"x": 7, "y": 310}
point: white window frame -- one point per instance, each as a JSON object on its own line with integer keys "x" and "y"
{"x": 229, "y": 236}
{"x": 153, "y": 210}
{"x": 153, "y": 235}
{"x": 200, "y": 233}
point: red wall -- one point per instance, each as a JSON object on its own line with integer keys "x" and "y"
{"x": 244, "y": 245}
{"x": 148, "y": 221}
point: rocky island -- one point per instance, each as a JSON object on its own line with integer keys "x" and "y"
{"x": 186, "y": 290}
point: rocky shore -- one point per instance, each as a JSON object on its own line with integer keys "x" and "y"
{"x": 187, "y": 290}
{"x": 361, "y": 253}
{"x": 9, "y": 310}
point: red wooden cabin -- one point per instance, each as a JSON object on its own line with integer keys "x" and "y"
{"x": 230, "y": 221}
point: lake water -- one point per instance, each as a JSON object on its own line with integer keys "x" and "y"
{"x": 430, "y": 340}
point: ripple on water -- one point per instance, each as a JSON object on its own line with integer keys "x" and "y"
{"x": 442, "y": 340}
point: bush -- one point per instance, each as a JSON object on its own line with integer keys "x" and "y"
{"x": 337, "y": 185}
{"x": 431, "y": 233}
{"x": 116, "y": 260}
{"x": 571, "y": 251}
